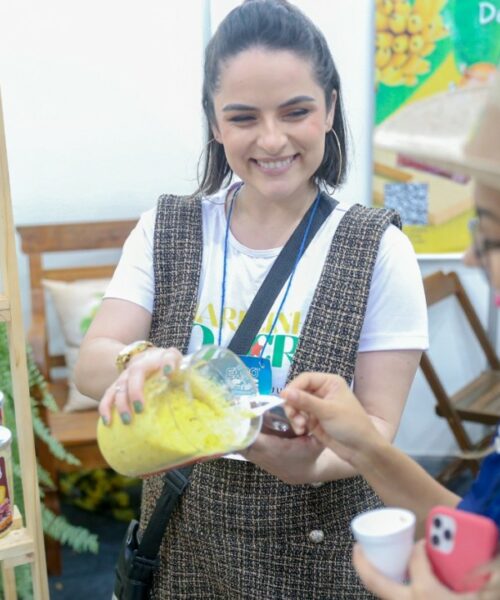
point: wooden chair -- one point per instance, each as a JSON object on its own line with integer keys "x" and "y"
{"x": 75, "y": 430}
{"x": 479, "y": 400}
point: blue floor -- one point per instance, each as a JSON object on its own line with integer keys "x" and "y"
{"x": 88, "y": 576}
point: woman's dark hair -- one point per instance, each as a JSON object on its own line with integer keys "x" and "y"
{"x": 273, "y": 25}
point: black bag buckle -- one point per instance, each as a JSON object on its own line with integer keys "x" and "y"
{"x": 133, "y": 573}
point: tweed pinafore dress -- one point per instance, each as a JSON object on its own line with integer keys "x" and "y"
{"x": 238, "y": 532}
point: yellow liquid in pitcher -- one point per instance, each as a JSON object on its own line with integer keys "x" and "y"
{"x": 184, "y": 418}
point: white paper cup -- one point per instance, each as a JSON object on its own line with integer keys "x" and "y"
{"x": 386, "y": 536}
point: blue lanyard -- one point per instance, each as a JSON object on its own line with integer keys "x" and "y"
{"x": 290, "y": 279}
{"x": 224, "y": 268}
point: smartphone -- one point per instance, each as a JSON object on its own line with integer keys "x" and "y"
{"x": 456, "y": 543}
{"x": 276, "y": 422}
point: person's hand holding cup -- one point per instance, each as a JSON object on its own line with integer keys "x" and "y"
{"x": 386, "y": 536}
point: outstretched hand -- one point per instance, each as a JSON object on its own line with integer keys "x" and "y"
{"x": 325, "y": 406}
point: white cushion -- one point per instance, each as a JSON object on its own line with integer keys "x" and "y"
{"x": 75, "y": 303}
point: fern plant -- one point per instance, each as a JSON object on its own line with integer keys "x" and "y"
{"x": 56, "y": 526}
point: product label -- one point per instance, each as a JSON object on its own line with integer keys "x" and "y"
{"x": 6, "y": 508}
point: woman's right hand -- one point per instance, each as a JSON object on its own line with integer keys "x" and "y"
{"x": 126, "y": 392}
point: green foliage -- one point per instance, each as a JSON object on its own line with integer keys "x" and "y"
{"x": 23, "y": 583}
{"x": 42, "y": 431}
{"x": 78, "y": 538}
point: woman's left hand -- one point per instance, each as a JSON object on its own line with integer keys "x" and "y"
{"x": 293, "y": 460}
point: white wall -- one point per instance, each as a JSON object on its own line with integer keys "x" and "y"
{"x": 102, "y": 107}
{"x": 102, "y": 104}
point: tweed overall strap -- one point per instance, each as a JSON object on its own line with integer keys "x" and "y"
{"x": 177, "y": 260}
{"x": 329, "y": 338}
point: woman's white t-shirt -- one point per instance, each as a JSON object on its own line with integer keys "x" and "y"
{"x": 396, "y": 315}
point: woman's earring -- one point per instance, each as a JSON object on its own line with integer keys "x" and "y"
{"x": 340, "y": 155}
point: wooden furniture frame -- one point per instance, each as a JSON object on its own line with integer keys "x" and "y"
{"x": 22, "y": 545}
{"x": 75, "y": 430}
{"x": 479, "y": 400}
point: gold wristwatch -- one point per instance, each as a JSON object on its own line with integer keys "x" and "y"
{"x": 125, "y": 354}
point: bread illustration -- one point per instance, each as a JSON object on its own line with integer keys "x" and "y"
{"x": 456, "y": 130}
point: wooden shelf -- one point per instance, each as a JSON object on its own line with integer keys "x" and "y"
{"x": 22, "y": 545}
{"x": 4, "y": 309}
{"x": 18, "y": 544}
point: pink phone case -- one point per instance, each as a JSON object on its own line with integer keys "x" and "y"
{"x": 457, "y": 542}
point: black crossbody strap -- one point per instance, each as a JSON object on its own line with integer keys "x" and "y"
{"x": 278, "y": 276}
{"x": 177, "y": 480}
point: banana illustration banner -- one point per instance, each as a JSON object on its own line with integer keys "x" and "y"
{"x": 426, "y": 48}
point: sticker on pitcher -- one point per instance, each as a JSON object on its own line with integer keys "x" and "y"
{"x": 260, "y": 369}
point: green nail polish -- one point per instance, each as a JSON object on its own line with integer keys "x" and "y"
{"x": 125, "y": 417}
{"x": 167, "y": 369}
{"x": 138, "y": 407}
{"x": 105, "y": 420}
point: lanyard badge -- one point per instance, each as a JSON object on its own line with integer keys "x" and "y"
{"x": 260, "y": 369}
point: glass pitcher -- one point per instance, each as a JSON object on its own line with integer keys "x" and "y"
{"x": 208, "y": 407}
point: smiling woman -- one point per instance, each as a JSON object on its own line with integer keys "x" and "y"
{"x": 272, "y": 119}
{"x": 274, "y": 524}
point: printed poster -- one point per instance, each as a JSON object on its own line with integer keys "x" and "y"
{"x": 425, "y": 48}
